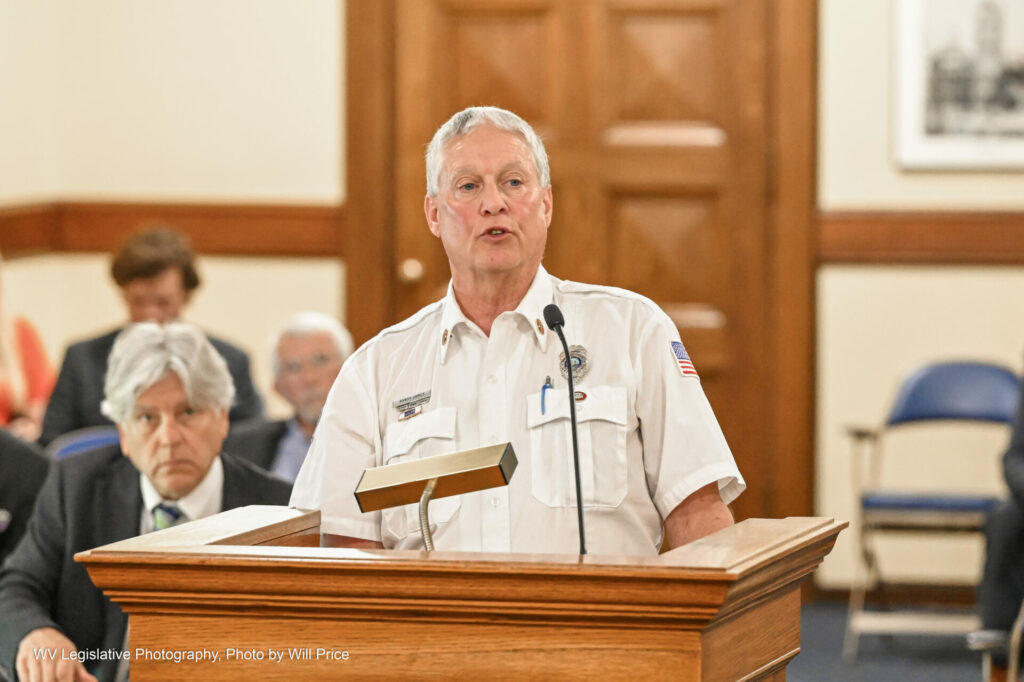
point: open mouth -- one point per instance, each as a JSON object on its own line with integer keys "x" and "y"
{"x": 496, "y": 232}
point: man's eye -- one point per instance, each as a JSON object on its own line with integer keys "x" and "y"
{"x": 515, "y": 182}
{"x": 467, "y": 186}
{"x": 189, "y": 411}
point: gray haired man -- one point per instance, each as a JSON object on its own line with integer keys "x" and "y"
{"x": 307, "y": 354}
{"x": 169, "y": 392}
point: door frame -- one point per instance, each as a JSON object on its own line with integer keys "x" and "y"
{"x": 369, "y": 255}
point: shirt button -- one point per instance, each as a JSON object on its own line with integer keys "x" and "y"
{"x": 492, "y": 379}
{"x": 494, "y": 502}
{"x": 491, "y": 439}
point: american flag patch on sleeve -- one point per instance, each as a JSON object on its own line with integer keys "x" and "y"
{"x": 686, "y": 367}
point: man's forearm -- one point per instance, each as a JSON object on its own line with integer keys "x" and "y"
{"x": 700, "y": 514}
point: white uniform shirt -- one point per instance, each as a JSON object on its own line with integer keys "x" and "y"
{"x": 647, "y": 435}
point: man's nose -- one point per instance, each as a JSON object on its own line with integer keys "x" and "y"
{"x": 493, "y": 201}
{"x": 169, "y": 431}
{"x": 309, "y": 374}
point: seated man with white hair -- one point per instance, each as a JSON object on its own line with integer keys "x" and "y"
{"x": 169, "y": 392}
{"x": 306, "y": 355}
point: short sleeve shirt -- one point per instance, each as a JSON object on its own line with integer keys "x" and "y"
{"x": 436, "y": 383}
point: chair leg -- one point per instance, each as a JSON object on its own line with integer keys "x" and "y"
{"x": 852, "y": 639}
{"x": 861, "y": 581}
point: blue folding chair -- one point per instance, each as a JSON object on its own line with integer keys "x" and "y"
{"x": 81, "y": 440}
{"x": 941, "y": 392}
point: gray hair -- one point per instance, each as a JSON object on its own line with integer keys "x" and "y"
{"x": 463, "y": 122}
{"x": 144, "y": 353}
{"x": 309, "y": 323}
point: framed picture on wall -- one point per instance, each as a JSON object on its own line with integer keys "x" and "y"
{"x": 960, "y": 84}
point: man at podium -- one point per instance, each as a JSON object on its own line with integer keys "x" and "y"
{"x": 169, "y": 391}
{"x": 481, "y": 367}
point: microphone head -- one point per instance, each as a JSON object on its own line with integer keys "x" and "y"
{"x": 553, "y": 317}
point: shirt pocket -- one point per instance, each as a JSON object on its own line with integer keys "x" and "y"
{"x": 425, "y": 435}
{"x": 601, "y": 435}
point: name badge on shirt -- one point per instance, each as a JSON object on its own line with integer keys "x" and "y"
{"x": 405, "y": 404}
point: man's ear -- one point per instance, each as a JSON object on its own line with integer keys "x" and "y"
{"x": 223, "y": 424}
{"x": 548, "y": 204}
{"x": 124, "y": 440}
{"x": 430, "y": 210}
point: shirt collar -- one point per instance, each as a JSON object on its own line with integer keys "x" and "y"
{"x": 531, "y": 308}
{"x": 204, "y": 500}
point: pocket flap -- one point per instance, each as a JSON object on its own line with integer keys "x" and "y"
{"x": 607, "y": 403}
{"x": 401, "y": 436}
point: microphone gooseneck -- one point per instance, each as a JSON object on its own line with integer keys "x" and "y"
{"x": 555, "y": 321}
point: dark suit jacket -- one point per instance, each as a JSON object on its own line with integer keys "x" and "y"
{"x": 87, "y": 500}
{"x": 75, "y": 402}
{"x": 257, "y": 442}
{"x": 1013, "y": 460}
{"x": 22, "y": 470}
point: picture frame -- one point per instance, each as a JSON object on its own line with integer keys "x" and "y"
{"x": 959, "y": 84}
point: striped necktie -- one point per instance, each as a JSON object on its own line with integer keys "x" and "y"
{"x": 165, "y": 516}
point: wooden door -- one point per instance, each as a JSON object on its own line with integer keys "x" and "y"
{"x": 655, "y": 116}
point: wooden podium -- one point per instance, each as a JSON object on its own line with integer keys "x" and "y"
{"x": 247, "y": 594}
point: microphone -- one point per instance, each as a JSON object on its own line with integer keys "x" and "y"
{"x": 554, "y": 320}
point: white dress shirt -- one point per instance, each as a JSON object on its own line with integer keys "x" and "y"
{"x": 203, "y": 500}
{"x": 647, "y": 435}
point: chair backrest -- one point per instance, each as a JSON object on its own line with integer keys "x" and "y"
{"x": 975, "y": 391}
{"x": 81, "y": 440}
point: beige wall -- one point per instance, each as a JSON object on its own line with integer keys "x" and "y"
{"x": 29, "y": 65}
{"x": 199, "y": 100}
{"x": 874, "y": 322}
{"x": 193, "y": 100}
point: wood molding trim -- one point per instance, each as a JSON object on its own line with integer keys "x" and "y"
{"x": 224, "y": 229}
{"x": 902, "y": 595}
{"x": 921, "y": 237}
{"x": 793, "y": 152}
{"x": 370, "y": 136}
{"x": 24, "y": 229}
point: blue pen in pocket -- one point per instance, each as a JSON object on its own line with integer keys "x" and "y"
{"x": 543, "y": 392}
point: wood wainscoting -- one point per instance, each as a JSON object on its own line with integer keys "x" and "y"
{"x": 921, "y": 237}
{"x": 223, "y": 229}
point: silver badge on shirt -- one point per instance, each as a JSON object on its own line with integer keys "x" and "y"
{"x": 580, "y": 363}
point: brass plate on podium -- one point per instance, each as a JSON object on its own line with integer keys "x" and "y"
{"x": 460, "y": 472}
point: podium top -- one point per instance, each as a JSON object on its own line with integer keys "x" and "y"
{"x": 262, "y": 532}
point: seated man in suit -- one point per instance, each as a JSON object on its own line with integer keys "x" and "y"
{"x": 168, "y": 391}
{"x": 306, "y": 354}
{"x": 156, "y": 272}
{"x": 22, "y": 470}
{"x": 1002, "y": 583}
